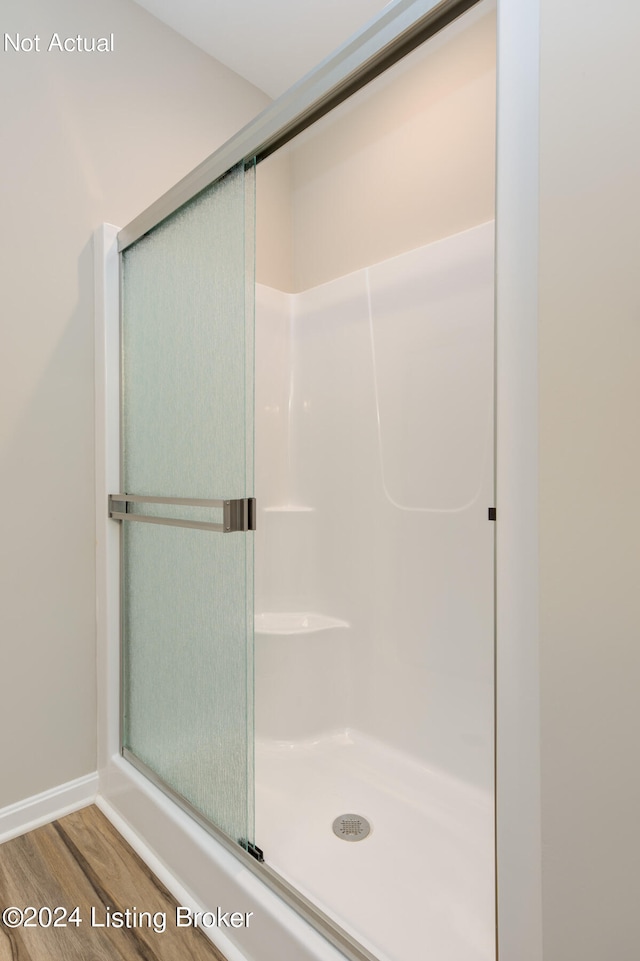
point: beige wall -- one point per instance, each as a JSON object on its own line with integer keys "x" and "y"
{"x": 274, "y": 228}
{"x": 86, "y": 138}
{"x": 590, "y": 479}
{"x": 409, "y": 160}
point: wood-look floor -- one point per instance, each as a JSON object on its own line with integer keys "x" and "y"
{"x": 81, "y": 860}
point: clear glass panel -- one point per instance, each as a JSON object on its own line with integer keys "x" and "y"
{"x": 374, "y": 463}
{"x": 188, "y": 290}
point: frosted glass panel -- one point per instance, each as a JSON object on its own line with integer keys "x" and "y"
{"x": 185, "y": 295}
{"x": 187, "y": 691}
{"x": 187, "y": 432}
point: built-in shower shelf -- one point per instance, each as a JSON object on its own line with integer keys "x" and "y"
{"x": 288, "y": 509}
{"x": 288, "y": 622}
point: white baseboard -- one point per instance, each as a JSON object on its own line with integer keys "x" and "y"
{"x": 40, "y": 809}
{"x": 178, "y": 890}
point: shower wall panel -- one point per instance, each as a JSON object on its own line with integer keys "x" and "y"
{"x": 388, "y": 476}
{"x": 272, "y": 344}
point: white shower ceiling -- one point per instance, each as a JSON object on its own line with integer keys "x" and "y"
{"x": 272, "y": 43}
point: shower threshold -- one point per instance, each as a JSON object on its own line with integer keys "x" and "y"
{"x": 420, "y": 884}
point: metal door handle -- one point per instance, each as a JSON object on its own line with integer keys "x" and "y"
{"x": 238, "y": 514}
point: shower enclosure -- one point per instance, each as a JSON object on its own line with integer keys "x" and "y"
{"x": 312, "y": 327}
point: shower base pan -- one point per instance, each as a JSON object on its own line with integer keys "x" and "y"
{"x": 420, "y": 884}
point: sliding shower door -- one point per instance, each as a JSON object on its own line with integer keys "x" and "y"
{"x": 187, "y": 484}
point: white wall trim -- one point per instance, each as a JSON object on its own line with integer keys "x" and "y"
{"x": 33, "y": 812}
{"x": 519, "y": 847}
{"x": 164, "y": 875}
{"x": 107, "y": 464}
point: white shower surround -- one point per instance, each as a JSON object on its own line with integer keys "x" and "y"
{"x": 374, "y": 473}
{"x": 189, "y": 861}
{"x": 374, "y": 413}
{"x": 421, "y": 883}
